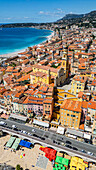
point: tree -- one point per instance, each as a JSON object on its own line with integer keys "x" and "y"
{"x": 18, "y": 167}
{"x": 93, "y": 37}
{"x": 86, "y": 50}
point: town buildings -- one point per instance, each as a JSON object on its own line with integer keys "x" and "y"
{"x": 54, "y": 82}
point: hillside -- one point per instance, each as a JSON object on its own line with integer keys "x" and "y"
{"x": 87, "y": 20}
{"x": 71, "y": 16}
{"x": 81, "y": 20}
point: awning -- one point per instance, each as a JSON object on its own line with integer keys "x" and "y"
{"x": 10, "y": 142}
{"x": 15, "y": 116}
{"x": 87, "y": 136}
{"x": 71, "y": 136}
{"x": 60, "y": 130}
{"x": 16, "y": 143}
{"x": 74, "y": 132}
{"x": 40, "y": 123}
{"x": 25, "y": 143}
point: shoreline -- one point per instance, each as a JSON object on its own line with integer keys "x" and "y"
{"x": 13, "y": 54}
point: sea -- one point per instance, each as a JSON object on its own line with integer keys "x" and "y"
{"x": 17, "y": 39}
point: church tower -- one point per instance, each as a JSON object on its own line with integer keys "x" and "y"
{"x": 48, "y": 77}
{"x": 65, "y": 61}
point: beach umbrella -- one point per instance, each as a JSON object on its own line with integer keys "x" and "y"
{"x": 21, "y": 156}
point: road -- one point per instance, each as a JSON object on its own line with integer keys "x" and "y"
{"x": 50, "y": 136}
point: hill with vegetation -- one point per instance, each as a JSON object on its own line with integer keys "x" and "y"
{"x": 81, "y": 20}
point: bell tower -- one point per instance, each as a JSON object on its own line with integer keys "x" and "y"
{"x": 65, "y": 61}
{"x": 48, "y": 77}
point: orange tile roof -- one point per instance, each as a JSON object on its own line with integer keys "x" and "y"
{"x": 81, "y": 127}
{"x": 82, "y": 79}
{"x": 93, "y": 83}
{"x": 85, "y": 104}
{"x": 26, "y": 77}
{"x": 71, "y": 105}
{"x": 31, "y": 99}
{"x": 48, "y": 101}
{"x": 26, "y": 69}
{"x": 45, "y": 68}
{"x": 92, "y": 105}
{"x": 80, "y": 94}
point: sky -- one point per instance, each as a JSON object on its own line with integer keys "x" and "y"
{"x": 37, "y": 11}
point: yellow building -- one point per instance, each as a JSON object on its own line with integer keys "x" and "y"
{"x": 70, "y": 113}
{"x": 40, "y": 77}
{"x": 47, "y": 75}
{"x": 59, "y": 96}
{"x": 78, "y": 84}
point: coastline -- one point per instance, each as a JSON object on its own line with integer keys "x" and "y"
{"x": 13, "y": 54}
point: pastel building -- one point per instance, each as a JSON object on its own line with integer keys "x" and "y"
{"x": 70, "y": 113}
{"x": 47, "y": 75}
{"x": 33, "y": 104}
{"x": 78, "y": 84}
{"x": 48, "y": 108}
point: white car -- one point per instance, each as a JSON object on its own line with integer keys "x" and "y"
{"x": 33, "y": 130}
{"x": 3, "y": 123}
{"x": 14, "y": 126}
{"x": 29, "y": 134}
{"x": 24, "y": 132}
{"x": 90, "y": 153}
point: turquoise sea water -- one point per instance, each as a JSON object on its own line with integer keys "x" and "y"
{"x": 15, "y": 39}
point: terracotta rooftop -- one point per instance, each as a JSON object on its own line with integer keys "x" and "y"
{"x": 71, "y": 105}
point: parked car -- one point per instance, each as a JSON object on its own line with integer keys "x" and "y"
{"x": 62, "y": 143}
{"x": 83, "y": 151}
{"x": 2, "y": 123}
{"x": 29, "y": 134}
{"x": 67, "y": 141}
{"x": 90, "y": 153}
{"x": 24, "y": 132}
{"x": 42, "y": 138}
{"x": 54, "y": 141}
{"x": 21, "y": 131}
{"x": 14, "y": 127}
{"x": 33, "y": 130}
{"x": 75, "y": 149}
{"x": 68, "y": 146}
